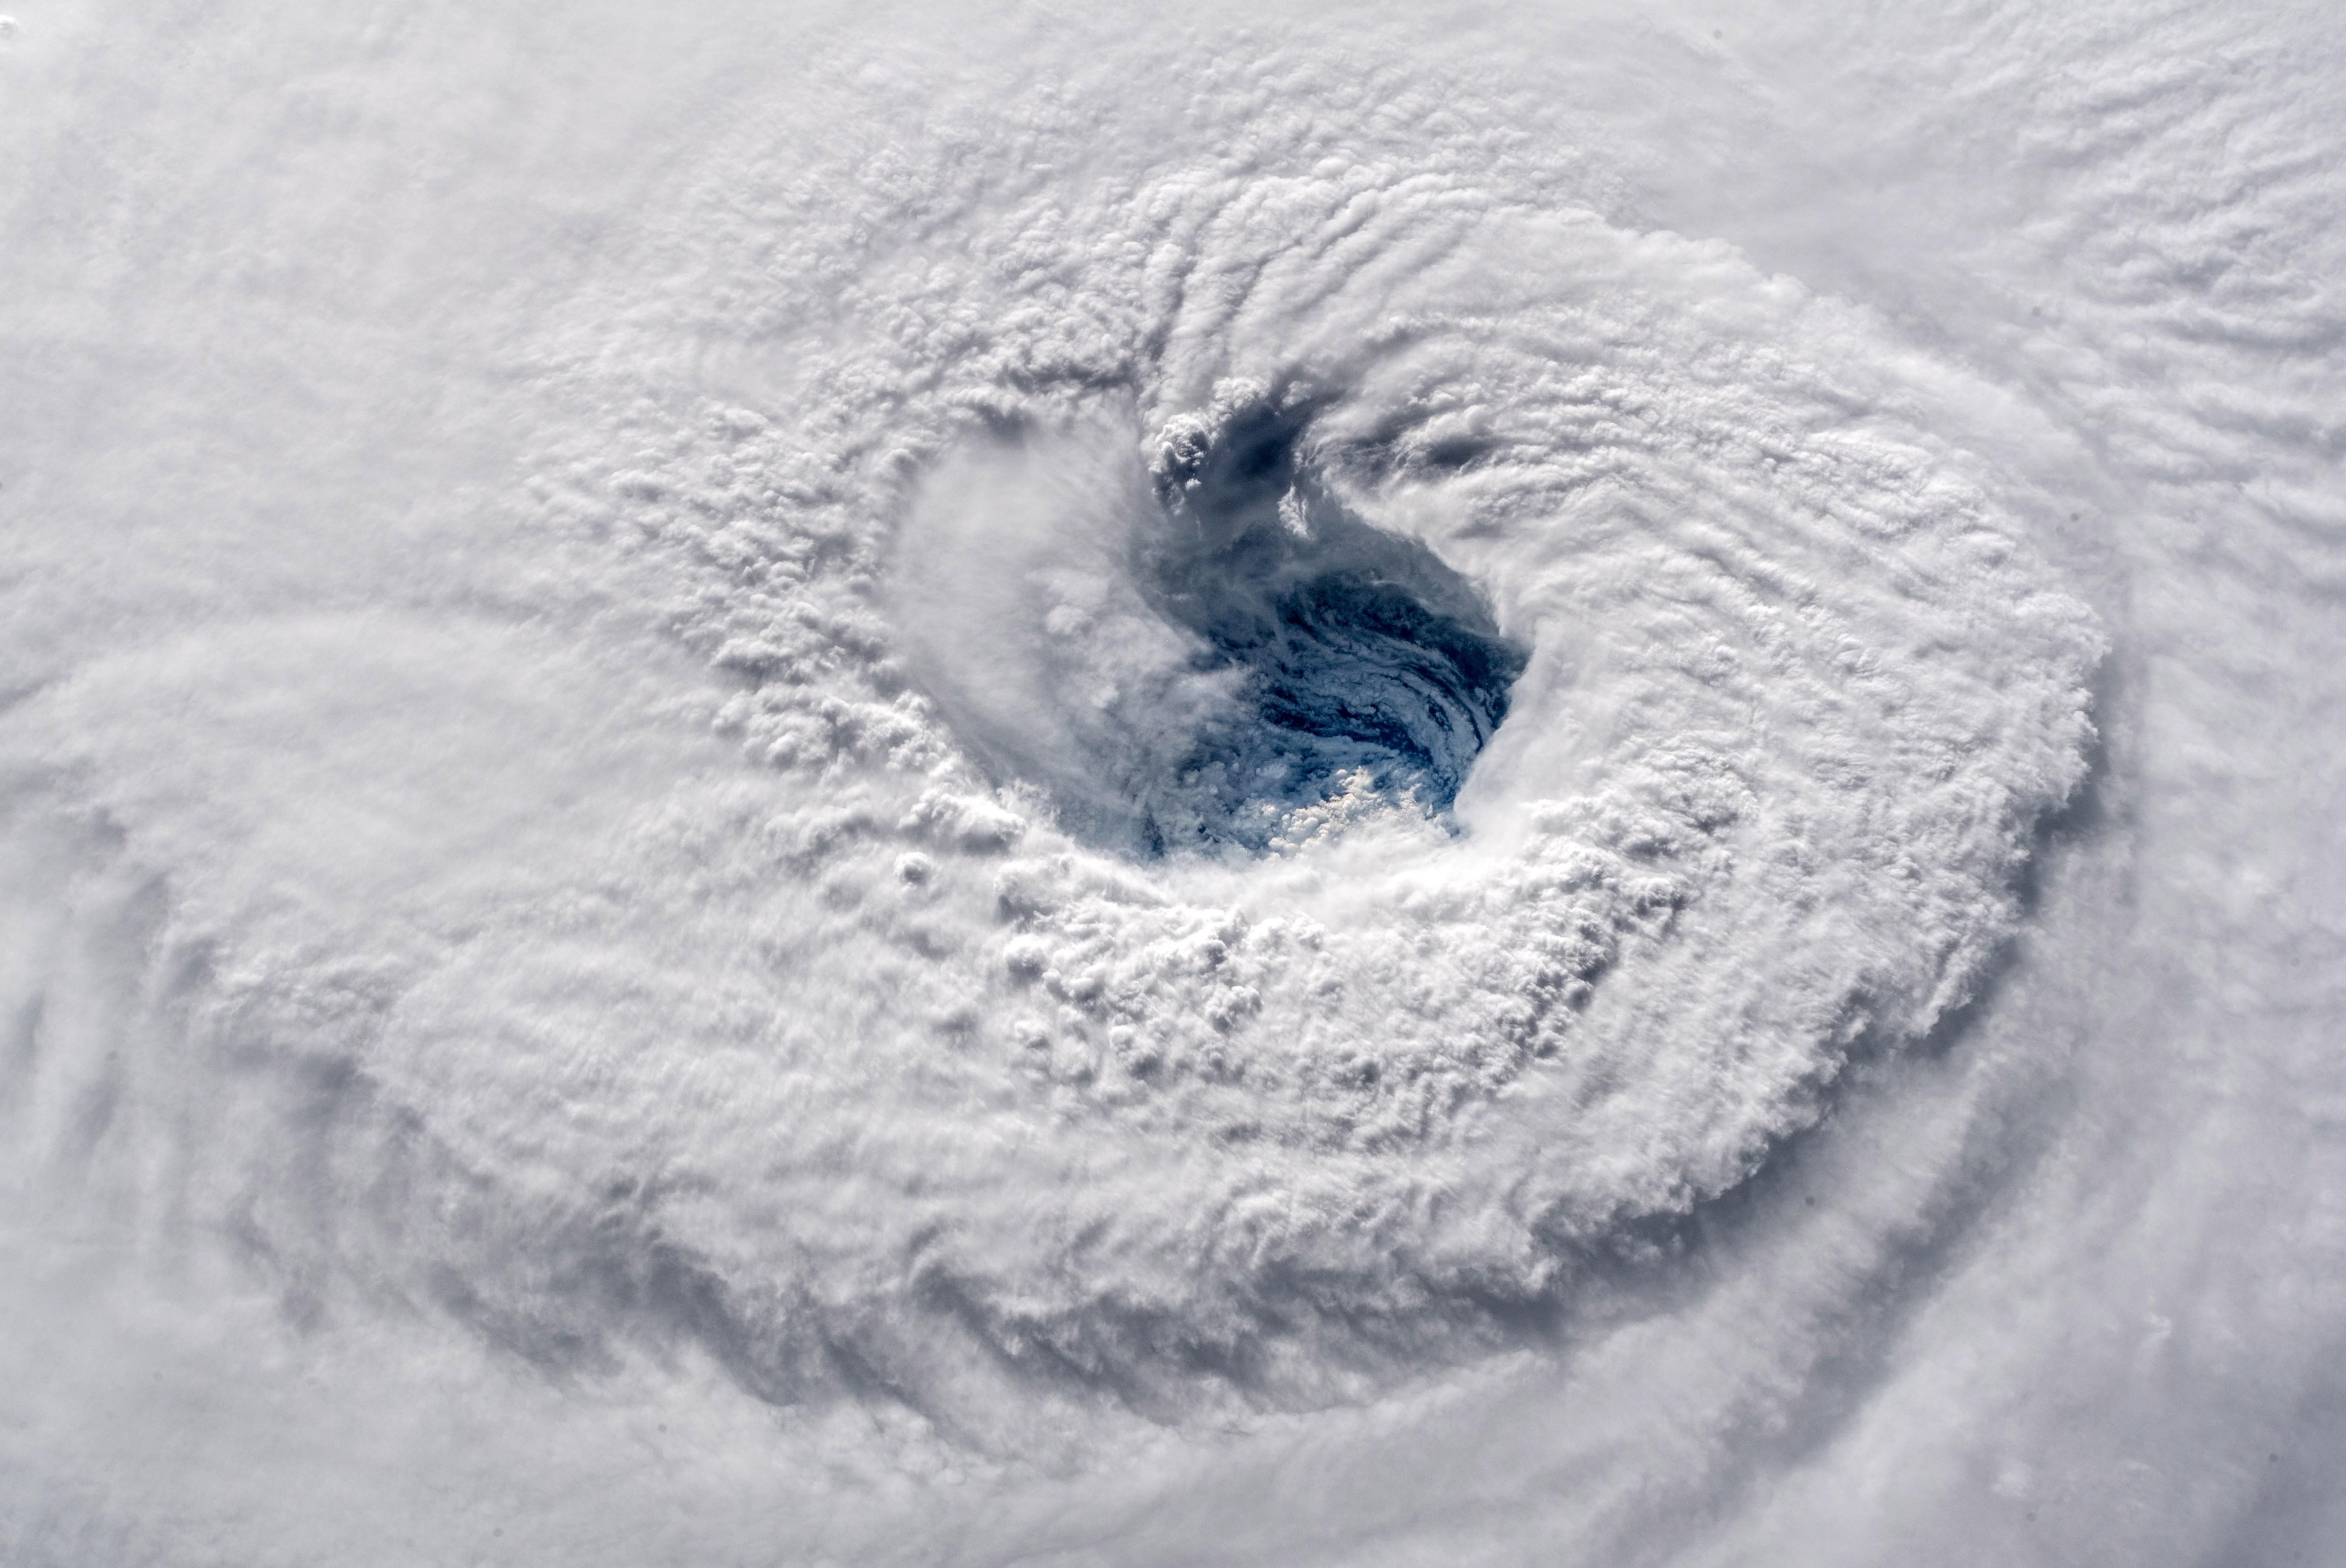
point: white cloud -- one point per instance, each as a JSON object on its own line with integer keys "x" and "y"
{"x": 594, "y": 682}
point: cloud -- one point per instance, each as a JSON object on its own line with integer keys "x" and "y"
{"x": 1371, "y": 796}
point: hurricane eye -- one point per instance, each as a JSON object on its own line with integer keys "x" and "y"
{"x": 1227, "y": 661}
{"x": 1363, "y": 665}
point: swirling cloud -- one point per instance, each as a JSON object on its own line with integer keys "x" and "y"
{"x": 1092, "y": 767}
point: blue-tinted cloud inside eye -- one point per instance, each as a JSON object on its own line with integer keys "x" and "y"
{"x": 1363, "y": 661}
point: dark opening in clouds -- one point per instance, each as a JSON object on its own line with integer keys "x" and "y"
{"x": 1369, "y": 666}
{"x": 1215, "y": 655}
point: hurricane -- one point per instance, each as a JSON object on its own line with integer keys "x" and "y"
{"x": 926, "y": 784}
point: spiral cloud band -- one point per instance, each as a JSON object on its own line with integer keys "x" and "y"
{"x": 911, "y": 786}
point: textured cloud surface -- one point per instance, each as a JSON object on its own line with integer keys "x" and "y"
{"x": 898, "y": 787}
